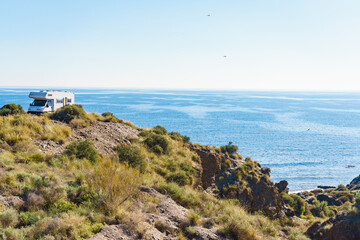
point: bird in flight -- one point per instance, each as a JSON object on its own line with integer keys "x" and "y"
{"x": 208, "y": 15}
{"x": 225, "y": 56}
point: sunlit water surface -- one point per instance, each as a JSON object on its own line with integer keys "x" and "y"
{"x": 308, "y": 139}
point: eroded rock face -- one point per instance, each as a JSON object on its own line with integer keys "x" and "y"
{"x": 354, "y": 184}
{"x": 329, "y": 199}
{"x": 212, "y": 164}
{"x": 282, "y": 186}
{"x": 255, "y": 191}
{"x": 341, "y": 227}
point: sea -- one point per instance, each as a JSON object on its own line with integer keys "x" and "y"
{"x": 306, "y": 138}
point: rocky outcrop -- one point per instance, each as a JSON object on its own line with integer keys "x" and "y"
{"x": 354, "y": 184}
{"x": 212, "y": 164}
{"x": 106, "y": 136}
{"x": 255, "y": 190}
{"x": 282, "y": 186}
{"x": 246, "y": 181}
{"x": 165, "y": 219}
{"x": 10, "y": 202}
{"x": 329, "y": 199}
{"x": 341, "y": 227}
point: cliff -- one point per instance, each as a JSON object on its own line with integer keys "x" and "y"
{"x": 99, "y": 177}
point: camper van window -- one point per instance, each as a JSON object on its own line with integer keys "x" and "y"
{"x": 69, "y": 100}
{"x": 59, "y": 100}
{"x": 38, "y": 102}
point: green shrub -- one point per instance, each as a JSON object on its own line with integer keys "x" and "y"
{"x": 9, "y": 218}
{"x": 64, "y": 206}
{"x": 107, "y": 114}
{"x": 70, "y": 112}
{"x": 230, "y": 148}
{"x": 158, "y": 144}
{"x": 159, "y": 130}
{"x": 357, "y": 198}
{"x": 27, "y": 218}
{"x": 10, "y": 109}
{"x": 178, "y": 137}
{"x": 109, "y": 117}
{"x": 133, "y": 156}
{"x": 295, "y": 202}
{"x": 83, "y": 149}
{"x": 180, "y": 178}
{"x": 321, "y": 209}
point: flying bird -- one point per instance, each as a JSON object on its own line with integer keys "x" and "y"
{"x": 208, "y": 15}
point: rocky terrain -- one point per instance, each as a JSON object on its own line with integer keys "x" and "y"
{"x": 106, "y": 136}
{"x": 96, "y": 177}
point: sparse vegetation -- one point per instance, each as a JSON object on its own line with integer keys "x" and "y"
{"x": 72, "y": 195}
{"x": 109, "y": 117}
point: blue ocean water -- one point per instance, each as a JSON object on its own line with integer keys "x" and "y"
{"x": 308, "y": 139}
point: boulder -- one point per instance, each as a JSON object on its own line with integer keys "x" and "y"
{"x": 354, "y": 184}
{"x": 282, "y": 186}
{"x": 329, "y": 199}
{"x": 10, "y": 202}
{"x": 342, "y": 227}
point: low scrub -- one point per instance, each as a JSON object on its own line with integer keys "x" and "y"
{"x": 70, "y": 112}
{"x": 25, "y": 128}
{"x": 321, "y": 209}
{"x": 109, "y": 117}
{"x": 295, "y": 202}
{"x": 113, "y": 183}
{"x": 83, "y": 150}
{"x": 133, "y": 156}
{"x": 11, "y": 109}
{"x": 229, "y": 149}
{"x": 78, "y": 123}
{"x": 157, "y": 143}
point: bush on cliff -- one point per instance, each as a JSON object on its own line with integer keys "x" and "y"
{"x": 159, "y": 130}
{"x": 158, "y": 143}
{"x": 83, "y": 149}
{"x": 230, "y": 148}
{"x": 133, "y": 156}
{"x": 11, "y": 109}
{"x": 178, "y": 137}
{"x": 70, "y": 112}
{"x": 109, "y": 117}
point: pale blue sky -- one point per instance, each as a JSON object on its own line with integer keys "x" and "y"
{"x": 283, "y": 45}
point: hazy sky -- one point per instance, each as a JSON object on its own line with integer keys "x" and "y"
{"x": 269, "y": 44}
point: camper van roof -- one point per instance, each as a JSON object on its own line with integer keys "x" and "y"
{"x": 50, "y": 94}
{"x": 55, "y": 91}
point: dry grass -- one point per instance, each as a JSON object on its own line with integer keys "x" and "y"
{"x": 25, "y": 127}
{"x": 113, "y": 183}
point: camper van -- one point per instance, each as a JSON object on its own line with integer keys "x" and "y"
{"x": 50, "y": 101}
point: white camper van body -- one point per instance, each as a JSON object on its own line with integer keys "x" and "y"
{"x": 50, "y": 101}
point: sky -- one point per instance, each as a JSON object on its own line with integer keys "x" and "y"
{"x": 246, "y": 45}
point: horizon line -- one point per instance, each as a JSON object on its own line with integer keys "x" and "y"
{"x": 181, "y": 89}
